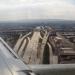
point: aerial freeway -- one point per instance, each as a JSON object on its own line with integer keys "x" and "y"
{"x": 12, "y": 64}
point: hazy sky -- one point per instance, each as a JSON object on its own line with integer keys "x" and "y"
{"x": 37, "y": 9}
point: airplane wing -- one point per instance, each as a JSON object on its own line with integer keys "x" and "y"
{"x": 55, "y": 69}
{"x": 10, "y": 64}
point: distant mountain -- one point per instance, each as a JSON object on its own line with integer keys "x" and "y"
{"x": 57, "y": 23}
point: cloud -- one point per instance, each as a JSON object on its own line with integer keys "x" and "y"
{"x": 36, "y": 9}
